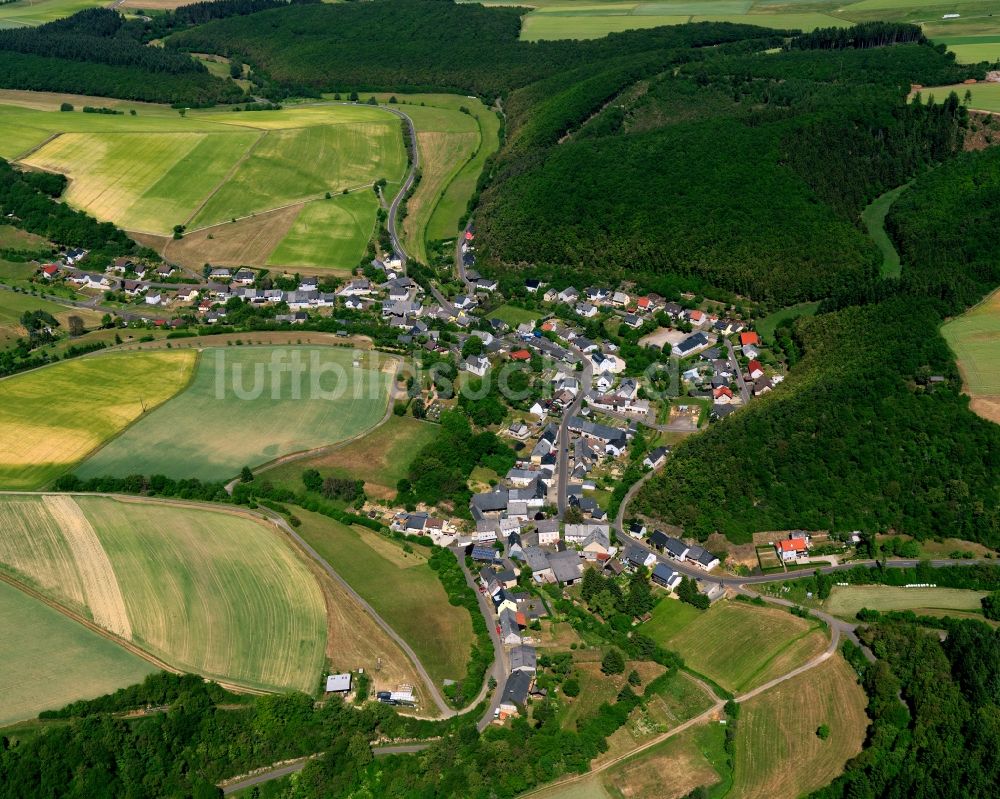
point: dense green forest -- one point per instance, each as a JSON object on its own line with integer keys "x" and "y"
{"x": 96, "y": 52}
{"x": 743, "y": 170}
{"x": 935, "y": 714}
{"x": 857, "y": 437}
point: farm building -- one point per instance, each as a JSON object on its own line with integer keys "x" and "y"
{"x": 338, "y": 683}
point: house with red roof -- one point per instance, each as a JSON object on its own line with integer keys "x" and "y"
{"x": 49, "y": 271}
{"x": 792, "y": 548}
{"x": 520, "y": 355}
{"x": 644, "y": 304}
{"x": 749, "y": 337}
{"x": 754, "y": 369}
{"x": 723, "y": 395}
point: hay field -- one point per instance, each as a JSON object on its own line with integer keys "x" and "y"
{"x": 380, "y": 458}
{"x": 142, "y": 181}
{"x": 846, "y": 601}
{"x": 740, "y": 646}
{"x": 49, "y": 660}
{"x": 778, "y": 754}
{"x": 417, "y": 606}
{"x": 29, "y": 13}
{"x": 53, "y": 417}
{"x": 240, "y": 411}
{"x": 295, "y": 164}
{"x": 214, "y": 592}
{"x": 974, "y": 337}
{"x": 329, "y": 234}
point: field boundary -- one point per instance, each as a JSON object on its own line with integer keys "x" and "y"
{"x": 226, "y": 178}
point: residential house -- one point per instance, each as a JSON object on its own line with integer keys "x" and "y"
{"x": 792, "y": 548}
{"x": 749, "y": 337}
{"x": 755, "y": 370}
{"x": 702, "y": 557}
{"x": 479, "y": 365}
{"x": 547, "y": 531}
{"x": 619, "y": 298}
{"x": 586, "y": 310}
{"x": 636, "y": 556}
{"x": 658, "y": 540}
{"x": 568, "y": 295}
{"x": 723, "y": 395}
{"x": 676, "y": 549}
{"x": 523, "y": 658}
{"x": 538, "y": 561}
{"x": 566, "y": 566}
{"x": 637, "y": 529}
{"x": 690, "y": 345}
{"x": 655, "y": 458}
{"x": 244, "y": 277}
{"x": 514, "y": 698}
{"x": 665, "y": 576}
{"x": 531, "y": 285}
{"x": 49, "y": 271}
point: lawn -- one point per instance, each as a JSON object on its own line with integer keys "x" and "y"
{"x": 874, "y": 218}
{"x": 846, "y": 601}
{"x": 245, "y": 407}
{"x": 50, "y": 660}
{"x": 777, "y": 750}
{"x": 740, "y": 646}
{"x": 146, "y": 182}
{"x": 416, "y": 606}
{"x": 329, "y": 234}
{"x": 53, "y": 417}
{"x": 985, "y": 96}
{"x": 670, "y": 617}
{"x": 13, "y": 306}
{"x": 381, "y": 458}
{"x": 293, "y": 164}
{"x": 766, "y": 326}
{"x": 974, "y": 337}
{"x": 513, "y": 315}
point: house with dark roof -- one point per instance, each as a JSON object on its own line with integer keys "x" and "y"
{"x": 702, "y": 557}
{"x": 665, "y": 576}
{"x": 523, "y": 658}
{"x": 636, "y": 556}
{"x": 675, "y": 548}
{"x": 515, "y": 693}
{"x": 691, "y": 345}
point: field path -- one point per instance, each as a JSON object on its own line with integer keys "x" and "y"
{"x": 100, "y": 586}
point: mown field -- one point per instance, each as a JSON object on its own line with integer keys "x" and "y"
{"x": 741, "y": 646}
{"x": 974, "y": 337}
{"x": 329, "y": 234}
{"x": 416, "y": 606}
{"x": 207, "y": 591}
{"x": 13, "y": 306}
{"x": 49, "y": 660}
{"x": 240, "y": 410}
{"x": 778, "y": 753}
{"x": 381, "y": 458}
{"x": 846, "y": 601}
{"x": 53, "y": 417}
{"x": 28, "y": 13}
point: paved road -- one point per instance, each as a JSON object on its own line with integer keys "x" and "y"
{"x": 266, "y": 776}
{"x": 586, "y": 378}
{"x": 397, "y": 245}
{"x": 744, "y": 391}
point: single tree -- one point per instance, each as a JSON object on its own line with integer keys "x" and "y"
{"x": 246, "y": 476}
{"x": 613, "y": 662}
{"x": 75, "y": 324}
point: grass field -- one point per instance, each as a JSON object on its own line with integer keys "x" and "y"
{"x": 669, "y": 618}
{"x": 766, "y": 326}
{"x": 740, "y": 646}
{"x": 874, "y": 218}
{"x": 213, "y": 592}
{"x": 13, "y": 306}
{"x": 380, "y": 458}
{"x": 974, "y": 337}
{"x": 778, "y": 753}
{"x": 28, "y": 13}
{"x": 239, "y": 411}
{"x": 513, "y": 315}
{"x": 846, "y": 601}
{"x": 329, "y": 234}
{"x": 53, "y": 417}
{"x": 49, "y": 660}
{"x": 416, "y": 606}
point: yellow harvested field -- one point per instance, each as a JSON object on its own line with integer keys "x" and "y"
{"x": 51, "y": 418}
{"x": 778, "y": 754}
{"x": 35, "y": 551}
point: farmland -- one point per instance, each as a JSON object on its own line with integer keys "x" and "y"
{"x": 12, "y": 306}
{"x": 205, "y": 432}
{"x": 777, "y": 750}
{"x": 974, "y": 337}
{"x": 331, "y": 234}
{"x": 156, "y": 169}
{"x": 416, "y": 606}
{"x": 28, "y": 13}
{"x": 50, "y": 660}
{"x": 51, "y": 418}
{"x": 846, "y": 601}
{"x": 212, "y": 592}
{"x": 380, "y": 458}
{"x": 740, "y": 646}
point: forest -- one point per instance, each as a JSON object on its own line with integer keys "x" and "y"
{"x": 858, "y": 438}
{"x": 935, "y": 713}
{"x": 95, "y": 52}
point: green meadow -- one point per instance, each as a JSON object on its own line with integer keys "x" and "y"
{"x": 330, "y": 234}
{"x": 237, "y": 413}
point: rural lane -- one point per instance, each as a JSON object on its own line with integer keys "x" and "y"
{"x": 586, "y": 381}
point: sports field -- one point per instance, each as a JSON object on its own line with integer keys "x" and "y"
{"x": 974, "y": 337}
{"x": 246, "y": 406}
{"x": 381, "y": 458}
{"x": 49, "y": 660}
{"x": 741, "y": 646}
{"x": 846, "y": 601}
{"x": 417, "y": 606}
{"x": 213, "y": 592}
{"x": 53, "y": 417}
{"x": 778, "y": 753}
{"x": 332, "y": 234}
